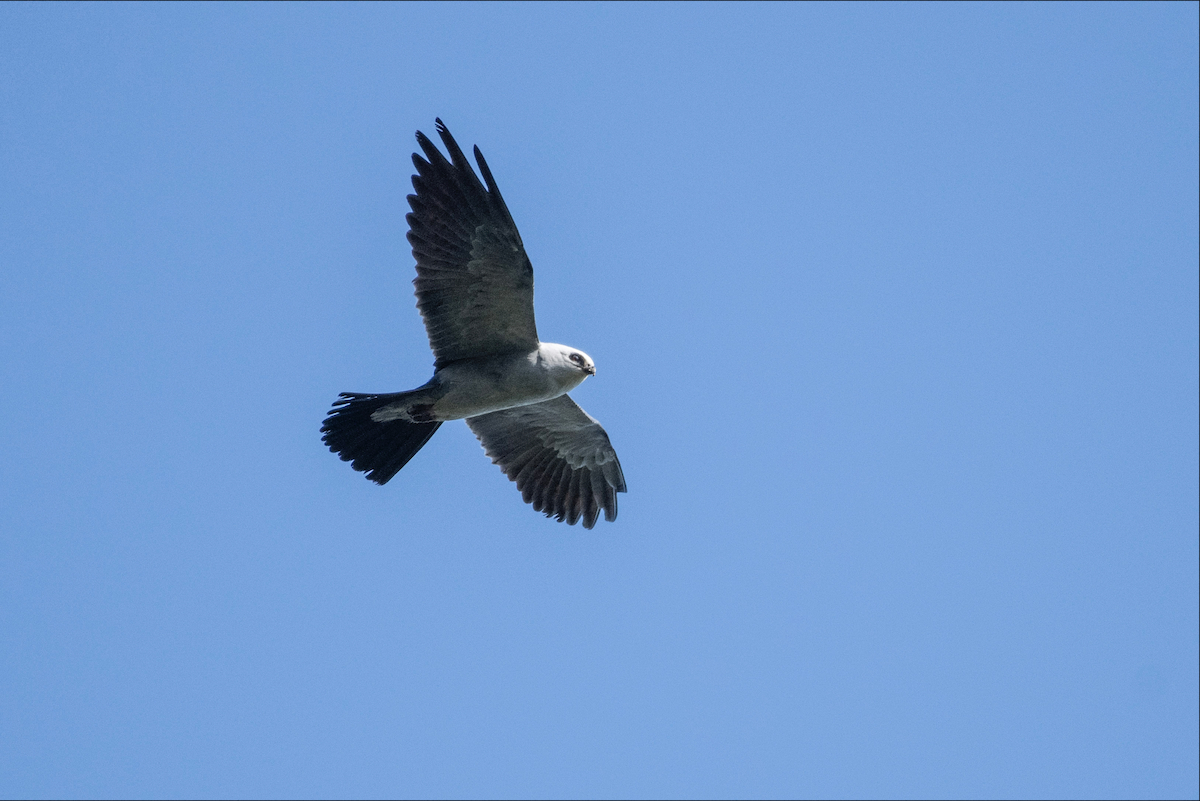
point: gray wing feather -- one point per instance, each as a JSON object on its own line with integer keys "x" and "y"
{"x": 474, "y": 282}
{"x": 559, "y": 456}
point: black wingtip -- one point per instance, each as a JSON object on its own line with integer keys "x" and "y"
{"x": 487, "y": 173}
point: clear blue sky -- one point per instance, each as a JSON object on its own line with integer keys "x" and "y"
{"x": 895, "y": 315}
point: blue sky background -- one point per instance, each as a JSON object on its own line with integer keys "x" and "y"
{"x": 895, "y": 314}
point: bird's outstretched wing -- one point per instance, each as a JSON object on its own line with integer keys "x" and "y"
{"x": 474, "y": 282}
{"x": 559, "y": 456}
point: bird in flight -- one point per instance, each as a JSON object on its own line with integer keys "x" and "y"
{"x": 474, "y": 290}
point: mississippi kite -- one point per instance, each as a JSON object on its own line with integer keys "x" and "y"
{"x": 474, "y": 289}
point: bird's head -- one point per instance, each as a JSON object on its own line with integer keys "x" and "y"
{"x": 569, "y": 366}
{"x": 582, "y": 362}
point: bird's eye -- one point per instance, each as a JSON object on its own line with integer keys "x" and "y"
{"x": 575, "y": 357}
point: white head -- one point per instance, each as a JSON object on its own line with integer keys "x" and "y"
{"x": 567, "y": 366}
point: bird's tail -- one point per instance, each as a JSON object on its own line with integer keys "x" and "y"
{"x": 378, "y": 449}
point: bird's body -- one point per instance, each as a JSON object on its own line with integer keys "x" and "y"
{"x": 475, "y": 292}
{"x": 471, "y": 387}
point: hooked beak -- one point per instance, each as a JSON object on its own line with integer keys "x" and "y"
{"x": 590, "y": 370}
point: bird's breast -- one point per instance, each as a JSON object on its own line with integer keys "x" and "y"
{"x": 479, "y": 386}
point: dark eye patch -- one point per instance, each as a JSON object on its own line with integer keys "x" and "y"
{"x": 575, "y": 357}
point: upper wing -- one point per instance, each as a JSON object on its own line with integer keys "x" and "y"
{"x": 559, "y": 456}
{"x": 474, "y": 281}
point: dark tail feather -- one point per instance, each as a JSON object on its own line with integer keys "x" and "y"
{"x": 377, "y": 449}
